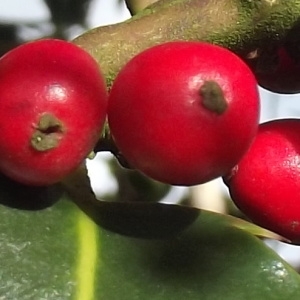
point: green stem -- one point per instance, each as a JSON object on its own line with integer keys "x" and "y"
{"x": 240, "y": 25}
{"x": 107, "y": 144}
{"x": 135, "y": 6}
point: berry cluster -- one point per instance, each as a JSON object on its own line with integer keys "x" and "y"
{"x": 182, "y": 113}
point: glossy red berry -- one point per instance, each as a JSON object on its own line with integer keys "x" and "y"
{"x": 184, "y": 112}
{"x": 265, "y": 184}
{"x": 53, "y": 103}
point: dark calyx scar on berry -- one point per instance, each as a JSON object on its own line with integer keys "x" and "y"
{"x": 48, "y": 132}
{"x": 213, "y": 97}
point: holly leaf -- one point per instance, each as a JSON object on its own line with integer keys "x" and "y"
{"x": 57, "y": 249}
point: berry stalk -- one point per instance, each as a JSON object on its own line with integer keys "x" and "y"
{"x": 241, "y": 26}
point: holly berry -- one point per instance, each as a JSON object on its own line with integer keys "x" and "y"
{"x": 53, "y": 104}
{"x": 265, "y": 184}
{"x": 184, "y": 112}
{"x": 277, "y": 71}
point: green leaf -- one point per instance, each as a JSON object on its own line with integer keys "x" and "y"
{"x": 54, "y": 250}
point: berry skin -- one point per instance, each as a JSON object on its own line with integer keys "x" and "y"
{"x": 184, "y": 113}
{"x": 265, "y": 184}
{"x": 53, "y": 103}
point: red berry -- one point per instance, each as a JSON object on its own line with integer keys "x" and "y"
{"x": 277, "y": 72}
{"x": 265, "y": 184}
{"x": 184, "y": 112}
{"x": 53, "y": 103}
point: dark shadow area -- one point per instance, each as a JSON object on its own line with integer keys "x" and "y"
{"x": 8, "y": 37}
{"x": 16, "y": 195}
{"x": 141, "y": 219}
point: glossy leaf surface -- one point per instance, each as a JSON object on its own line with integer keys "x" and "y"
{"x": 55, "y": 251}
